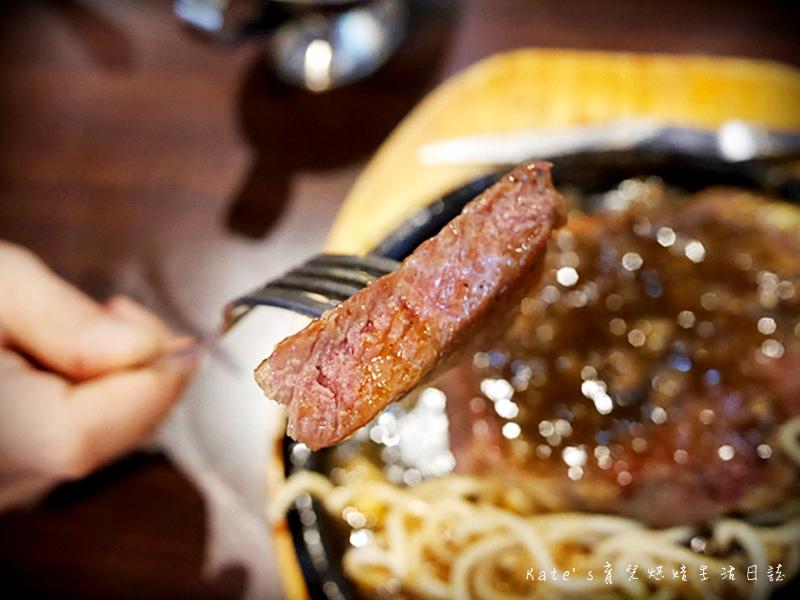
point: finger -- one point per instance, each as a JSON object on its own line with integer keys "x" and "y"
{"x": 128, "y": 310}
{"x": 10, "y": 362}
{"x": 114, "y": 414}
{"x": 23, "y": 488}
{"x": 33, "y": 415}
{"x": 50, "y": 427}
{"x": 176, "y": 346}
{"x": 62, "y": 327}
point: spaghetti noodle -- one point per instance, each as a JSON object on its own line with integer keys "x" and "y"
{"x": 448, "y": 538}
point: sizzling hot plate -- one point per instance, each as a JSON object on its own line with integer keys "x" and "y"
{"x": 318, "y": 542}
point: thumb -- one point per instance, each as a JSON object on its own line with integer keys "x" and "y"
{"x": 63, "y": 328}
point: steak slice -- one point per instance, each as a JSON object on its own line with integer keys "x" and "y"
{"x": 340, "y": 371}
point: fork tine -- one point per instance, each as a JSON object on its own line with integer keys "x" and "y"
{"x": 295, "y": 300}
{"x": 316, "y": 283}
{"x": 315, "y": 286}
{"x": 359, "y": 279}
{"x": 371, "y": 263}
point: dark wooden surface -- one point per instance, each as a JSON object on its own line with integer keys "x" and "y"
{"x": 124, "y": 140}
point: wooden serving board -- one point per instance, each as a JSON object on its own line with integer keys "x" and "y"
{"x": 530, "y": 89}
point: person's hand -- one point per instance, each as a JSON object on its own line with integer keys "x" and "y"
{"x": 77, "y": 383}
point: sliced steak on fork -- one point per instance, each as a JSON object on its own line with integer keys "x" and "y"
{"x": 340, "y": 371}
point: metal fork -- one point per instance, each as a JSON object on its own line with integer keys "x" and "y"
{"x": 310, "y": 289}
{"x": 318, "y": 284}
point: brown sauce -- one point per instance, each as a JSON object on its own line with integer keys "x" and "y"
{"x": 653, "y": 363}
{"x": 647, "y": 374}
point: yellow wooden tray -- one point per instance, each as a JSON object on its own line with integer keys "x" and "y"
{"x": 529, "y": 89}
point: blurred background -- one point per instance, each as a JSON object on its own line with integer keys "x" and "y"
{"x": 158, "y": 150}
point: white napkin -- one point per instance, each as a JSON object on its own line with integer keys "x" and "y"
{"x": 220, "y": 433}
{"x": 220, "y": 436}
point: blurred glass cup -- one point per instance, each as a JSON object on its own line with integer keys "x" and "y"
{"x": 314, "y": 44}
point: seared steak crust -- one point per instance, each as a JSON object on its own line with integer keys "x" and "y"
{"x": 345, "y": 367}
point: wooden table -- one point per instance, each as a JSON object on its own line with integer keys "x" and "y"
{"x": 127, "y": 144}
